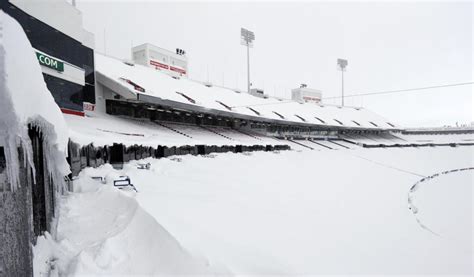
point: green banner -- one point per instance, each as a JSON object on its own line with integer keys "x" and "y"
{"x": 50, "y": 62}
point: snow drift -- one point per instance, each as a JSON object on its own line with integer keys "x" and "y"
{"x": 103, "y": 230}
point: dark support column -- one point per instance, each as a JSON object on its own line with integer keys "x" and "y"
{"x": 39, "y": 197}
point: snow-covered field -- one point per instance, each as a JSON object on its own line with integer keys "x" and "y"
{"x": 293, "y": 212}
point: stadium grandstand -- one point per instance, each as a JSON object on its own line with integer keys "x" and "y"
{"x": 119, "y": 109}
{"x": 143, "y": 111}
{"x": 151, "y": 107}
{"x": 125, "y": 83}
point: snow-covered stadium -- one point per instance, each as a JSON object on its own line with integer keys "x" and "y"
{"x": 113, "y": 166}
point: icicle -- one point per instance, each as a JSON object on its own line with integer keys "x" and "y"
{"x": 56, "y": 163}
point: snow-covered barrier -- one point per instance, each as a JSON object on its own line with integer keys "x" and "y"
{"x": 117, "y": 154}
{"x": 33, "y": 141}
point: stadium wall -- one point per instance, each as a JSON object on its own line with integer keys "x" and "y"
{"x": 27, "y": 211}
{"x": 63, "y": 48}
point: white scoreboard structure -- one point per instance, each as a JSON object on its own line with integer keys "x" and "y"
{"x": 173, "y": 63}
{"x": 305, "y": 94}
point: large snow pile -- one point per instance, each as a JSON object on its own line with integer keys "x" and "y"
{"x": 25, "y": 99}
{"x": 102, "y": 230}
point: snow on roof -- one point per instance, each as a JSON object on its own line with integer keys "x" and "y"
{"x": 161, "y": 85}
{"x": 25, "y": 99}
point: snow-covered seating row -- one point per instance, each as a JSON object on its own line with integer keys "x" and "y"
{"x": 363, "y": 139}
{"x": 246, "y": 137}
{"x": 103, "y": 129}
{"x": 344, "y": 144}
{"x": 320, "y": 144}
{"x": 403, "y": 140}
{"x": 441, "y": 138}
{"x": 200, "y": 134}
{"x": 334, "y": 144}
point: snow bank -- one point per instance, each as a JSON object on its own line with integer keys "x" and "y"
{"x": 25, "y": 99}
{"x": 103, "y": 230}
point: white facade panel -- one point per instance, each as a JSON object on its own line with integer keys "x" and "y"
{"x": 54, "y": 13}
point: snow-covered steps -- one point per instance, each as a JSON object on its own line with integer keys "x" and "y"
{"x": 103, "y": 129}
{"x": 301, "y": 143}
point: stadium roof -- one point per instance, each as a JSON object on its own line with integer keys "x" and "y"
{"x": 137, "y": 82}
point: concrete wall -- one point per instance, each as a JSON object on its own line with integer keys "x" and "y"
{"x": 16, "y": 227}
{"x": 25, "y": 212}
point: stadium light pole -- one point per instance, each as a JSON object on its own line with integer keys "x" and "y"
{"x": 342, "y": 67}
{"x": 246, "y": 38}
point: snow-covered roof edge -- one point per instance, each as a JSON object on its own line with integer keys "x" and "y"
{"x": 124, "y": 79}
{"x": 25, "y": 100}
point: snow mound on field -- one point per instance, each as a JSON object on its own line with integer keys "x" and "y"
{"x": 25, "y": 99}
{"x": 103, "y": 230}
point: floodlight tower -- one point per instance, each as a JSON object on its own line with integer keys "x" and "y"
{"x": 246, "y": 38}
{"x": 342, "y": 67}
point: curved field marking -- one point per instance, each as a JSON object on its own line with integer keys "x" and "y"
{"x": 416, "y": 186}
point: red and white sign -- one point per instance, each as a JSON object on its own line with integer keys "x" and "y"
{"x": 159, "y": 65}
{"x": 88, "y": 106}
{"x": 179, "y": 70}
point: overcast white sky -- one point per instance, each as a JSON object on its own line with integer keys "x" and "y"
{"x": 388, "y": 45}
